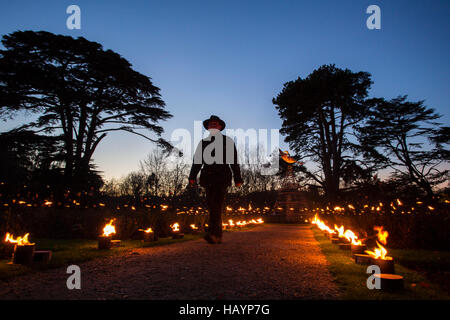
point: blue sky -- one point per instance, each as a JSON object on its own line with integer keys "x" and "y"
{"x": 231, "y": 58}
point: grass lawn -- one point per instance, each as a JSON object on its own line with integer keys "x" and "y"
{"x": 351, "y": 277}
{"x": 70, "y": 251}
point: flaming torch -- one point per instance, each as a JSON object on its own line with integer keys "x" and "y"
{"x": 388, "y": 280}
{"x": 148, "y": 235}
{"x": 322, "y": 226}
{"x": 105, "y": 240}
{"x": 379, "y": 255}
{"x": 23, "y": 249}
{"x": 356, "y": 245}
{"x": 340, "y": 235}
{"x": 194, "y": 228}
{"x": 176, "y": 234}
{"x": 349, "y": 235}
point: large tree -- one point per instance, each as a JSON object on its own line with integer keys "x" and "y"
{"x": 24, "y": 155}
{"x": 79, "y": 90}
{"x": 405, "y": 136}
{"x": 318, "y": 113}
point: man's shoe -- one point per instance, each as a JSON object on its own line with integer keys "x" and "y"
{"x": 216, "y": 239}
{"x": 209, "y": 238}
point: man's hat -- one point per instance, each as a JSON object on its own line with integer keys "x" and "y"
{"x": 214, "y": 118}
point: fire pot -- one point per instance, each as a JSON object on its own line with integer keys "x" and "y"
{"x": 358, "y": 249}
{"x": 23, "y": 254}
{"x": 345, "y": 246}
{"x": 386, "y": 265}
{"x": 390, "y": 282}
{"x": 148, "y": 237}
{"x": 362, "y": 258}
{"x": 104, "y": 243}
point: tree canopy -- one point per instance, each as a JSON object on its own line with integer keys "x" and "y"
{"x": 78, "y": 90}
{"x": 318, "y": 113}
{"x": 405, "y": 137}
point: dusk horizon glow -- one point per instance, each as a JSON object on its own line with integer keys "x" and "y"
{"x": 231, "y": 58}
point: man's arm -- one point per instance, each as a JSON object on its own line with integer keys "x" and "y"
{"x": 235, "y": 167}
{"x": 197, "y": 163}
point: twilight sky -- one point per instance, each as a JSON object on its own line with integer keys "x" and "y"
{"x": 230, "y": 58}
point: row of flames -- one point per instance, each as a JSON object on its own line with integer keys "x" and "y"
{"x": 341, "y": 232}
{"x": 242, "y": 223}
{"x": 109, "y": 229}
{"x": 394, "y": 207}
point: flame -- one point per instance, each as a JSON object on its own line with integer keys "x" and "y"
{"x": 286, "y": 157}
{"x": 175, "y": 227}
{"x": 241, "y": 223}
{"x": 20, "y": 241}
{"x": 149, "y": 230}
{"x": 109, "y": 229}
{"x": 321, "y": 225}
{"x": 379, "y": 253}
{"x": 382, "y": 234}
{"x": 350, "y": 235}
{"x": 340, "y": 231}
{"x": 193, "y": 227}
{"x": 231, "y": 223}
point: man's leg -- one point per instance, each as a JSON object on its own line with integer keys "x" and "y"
{"x": 218, "y": 197}
{"x": 215, "y": 199}
{"x": 210, "y": 199}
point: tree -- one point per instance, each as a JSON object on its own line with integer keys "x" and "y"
{"x": 111, "y": 188}
{"x": 134, "y": 185}
{"x": 80, "y": 91}
{"x": 396, "y": 134}
{"x": 29, "y": 159}
{"x": 319, "y": 113}
{"x": 155, "y": 168}
{"x": 177, "y": 176}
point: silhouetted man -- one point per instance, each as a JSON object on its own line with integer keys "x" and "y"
{"x": 216, "y": 157}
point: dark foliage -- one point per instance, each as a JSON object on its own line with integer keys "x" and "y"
{"x": 77, "y": 88}
{"x": 404, "y": 136}
{"x": 318, "y": 113}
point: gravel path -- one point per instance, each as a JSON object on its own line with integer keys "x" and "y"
{"x": 266, "y": 262}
